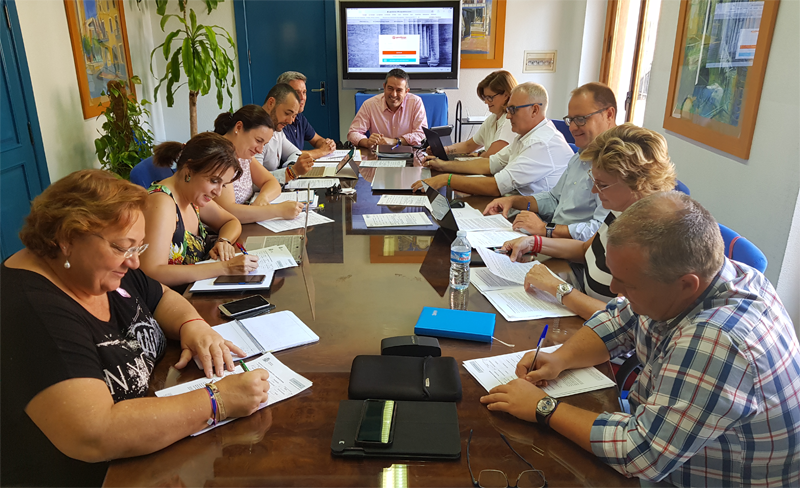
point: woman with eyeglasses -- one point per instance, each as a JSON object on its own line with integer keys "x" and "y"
{"x": 82, "y": 330}
{"x": 495, "y": 132}
{"x": 181, "y": 208}
{"x": 628, "y": 163}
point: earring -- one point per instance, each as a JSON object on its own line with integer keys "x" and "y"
{"x": 187, "y": 178}
{"x": 237, "y": 131}
{"x": 66, "y": 264}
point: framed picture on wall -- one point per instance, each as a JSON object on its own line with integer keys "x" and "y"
{"x": 100, "y": 48}
{"x": 483, "y": 30}
{"x": 721, "y": 53}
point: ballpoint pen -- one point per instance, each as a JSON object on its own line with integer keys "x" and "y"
{"x": 244, "y": 365}
{"x": 241, "y": 248}
{"x": 399, "y": 142}
{"x": 538, "y": 346}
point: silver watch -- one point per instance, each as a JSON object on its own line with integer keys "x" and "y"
{"x": 563, "y": 290}
{"x": 544, "y": 409}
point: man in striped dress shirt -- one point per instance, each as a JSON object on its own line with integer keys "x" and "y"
{"x": 718, "y": 400}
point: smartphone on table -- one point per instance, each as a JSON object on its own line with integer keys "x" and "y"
{"x": 246, "y": 307}
{"x": 240, "y": 280}
{"x": 376, "y": 427}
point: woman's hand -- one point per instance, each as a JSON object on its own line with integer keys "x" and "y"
{"x": 241, "y": 394}
{"x": 241, "y": 265}
{"x": 540, "y": 277}
{"x": 222, "y": 251}
{"x": 288, "y": 210}
{"x": 199, "y": 339}
{"x": 518, "y": 247}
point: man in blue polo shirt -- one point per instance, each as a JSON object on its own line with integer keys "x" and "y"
{"x": 300, "y": 131}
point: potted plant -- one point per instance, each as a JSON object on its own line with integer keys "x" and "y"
{"x": 126, "y": 138}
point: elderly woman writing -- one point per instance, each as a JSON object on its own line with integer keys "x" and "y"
{"x": 628, "y": 163}
{"x": 180, "y": 207}
{"x": 82, "y": 330}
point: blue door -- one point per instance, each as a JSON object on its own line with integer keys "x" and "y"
{"x": 23, "y": 172}
{"x": 290, "y": 35}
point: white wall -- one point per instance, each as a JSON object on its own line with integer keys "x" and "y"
{"x": 789, "y": 280}
{"x": 531, "y": 25}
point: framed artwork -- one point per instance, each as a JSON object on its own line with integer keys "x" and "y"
{"x": 721, "y": 53}
{"x": 539, "y": 62}
{"x": 100, "y": 48}
{"x": 483, "y": 32}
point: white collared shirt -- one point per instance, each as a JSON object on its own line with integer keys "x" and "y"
{"x": 492, "y": 130}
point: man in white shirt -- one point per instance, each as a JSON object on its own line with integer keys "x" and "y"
{"x": 282, "y": 158}
{"x": 532, "y": 163}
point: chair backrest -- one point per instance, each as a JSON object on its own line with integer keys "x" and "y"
{"x": 144, "y": 173}
{"x": 574, "y": 147}
{"x": 679, "y": 186}
{"x": 738, "y": 248}
{"x": 564, "y": 129}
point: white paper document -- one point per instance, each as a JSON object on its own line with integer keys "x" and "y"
{"x": 273, "y": 258}
{"x": 467, "y": 212}
{"x": 484, "y": 222}
{"x": 266, "y": 333}
{"x": 283, "y": 383}
{"x": 208, "y": 285}
{"x": 383, "y": 163}
{"x": 499, "y": 370}
{"x": 516, "y": 304}
{"x": 405, "y": 201}
{"x": 504, "y": 267}
{"x": 484, "y": 280}
{"x": 491, "y": 238}
{"x": 312, "y": 183}
{"x": 396, "y": 219}
{"x": 297, "y": 196}
{"x": 338, "y": 154}
{"x": 279, "y": 225}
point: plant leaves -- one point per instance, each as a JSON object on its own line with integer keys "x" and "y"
{"x": 212, "y": 38}
{"x": 165, "y": 18}
{"x": 168, "y": 42}
{"x": 188, "y": 63}
{"x": 161, "y": 7}
{"x": 174, "y": 68}
{"x": 193, "y": 20}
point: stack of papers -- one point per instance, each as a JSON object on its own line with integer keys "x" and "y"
{"x": 313, "y": 183}
{"x": 402, "y": 219}
{"x": 383, "y": 163}
{"x": 283, "y": 383}
{"x": 296, "y": 196}
{"x": 280, "y": 225}
{"x": 338, "y": 154}
{"x": 270, "y": 259}
{"x": 405, "y": 201}
{"x": 488, "y": 238}
{"x": 484, "y": 222}
{"x": 499, "y": 370}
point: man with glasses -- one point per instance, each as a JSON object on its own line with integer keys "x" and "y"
{"x": 395, "y": 117}
{"x": 300, "y": 130}
{"x": 569, "y": 210}
{"x": 532, "y": 163}
{"x": 717, "y": 401}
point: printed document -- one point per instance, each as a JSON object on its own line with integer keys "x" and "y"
{"x": 499, "y": 370}
{"x": 296, "y": 196}
{"x": 484, "y": 280}
{"x": 504, "y": 267}
{"x": 516, "y": 304}
{"x": 491, "y": 238}
{"x": 383, "y": 163}
{"x": 396, "y": 219}
{"x": 283, "y": 383}
{"x": 279, "y": 225}
{"x": 338, "y": 154}
{"x": 484, "y": 222}
{"x": 405, "y": 201}
{"x": 312, "y": 183}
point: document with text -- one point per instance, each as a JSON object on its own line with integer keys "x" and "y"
{"x": 338, "y": 154}
{"x": 296, "y": 196}
{"x": 402, "y": 219}
{"x": 312, "y": 183}
{"x": 283, "y": 383}
{"x": 504, "y": 267}
{"x": 516, "y": 304}
{"x": 498, "y": 370}
{"x": 383, "y": 163}
{"x": 279, "y": 225}
{"x": 484, "y": 280}
{"x": 488, "y": 238}
{"x": 484, "y": 222}
{"x": 405, "y": 201}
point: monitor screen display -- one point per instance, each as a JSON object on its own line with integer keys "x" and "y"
{"x": 418, "y": 37}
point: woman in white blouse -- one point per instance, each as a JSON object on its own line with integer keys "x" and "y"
{"x": 495, "y": 132}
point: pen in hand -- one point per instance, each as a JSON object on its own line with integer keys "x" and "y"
{"x": 241, "y": 248}
{"x": 538, "y": 347}
{"x": 244, "y": 366}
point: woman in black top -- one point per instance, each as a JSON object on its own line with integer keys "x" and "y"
{"x": 82, "y": 329}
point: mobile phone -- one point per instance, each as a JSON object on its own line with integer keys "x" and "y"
{"x": 240, "y": 280}
{"x": 376, "y": 427}
{"x": 246, "y": 307}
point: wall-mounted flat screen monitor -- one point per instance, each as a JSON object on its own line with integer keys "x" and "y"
{"x": 422, "y": 38}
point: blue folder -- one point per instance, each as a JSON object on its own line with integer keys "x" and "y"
{"x": 455, "y": 324}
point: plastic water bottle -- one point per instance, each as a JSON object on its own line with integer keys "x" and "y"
{"x": 460, "y": 253}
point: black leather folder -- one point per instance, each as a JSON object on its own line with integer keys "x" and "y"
{"x": 405, "y": 378}
{"x": 423, "y": 430}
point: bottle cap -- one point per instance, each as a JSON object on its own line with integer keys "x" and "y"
{"x": 461, "y": 233}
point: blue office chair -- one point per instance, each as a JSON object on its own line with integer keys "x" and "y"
{"x": 144, "y": 173}
{"x": 679, "y": 186}
{"x": 737, "y": 248}
{"x": 573, "y": 147}
{"x": 564, "y": 129}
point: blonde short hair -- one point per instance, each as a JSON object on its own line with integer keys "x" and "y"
{"x": 638, "y": 155}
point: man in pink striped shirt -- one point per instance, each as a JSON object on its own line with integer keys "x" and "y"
{"x": 394, "y": 117}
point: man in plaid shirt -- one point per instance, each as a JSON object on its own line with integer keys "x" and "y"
{"x": 718, "y": 400}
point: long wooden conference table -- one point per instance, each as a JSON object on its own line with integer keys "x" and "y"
{"x": 356, "y": 287}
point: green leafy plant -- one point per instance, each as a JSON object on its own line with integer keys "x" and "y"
{"x": 126, "y": 138}
{"x": 198, "y": 55}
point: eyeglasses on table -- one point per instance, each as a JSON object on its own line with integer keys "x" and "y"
{"x": 494, "y": 478}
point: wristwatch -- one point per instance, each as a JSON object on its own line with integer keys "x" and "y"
{"x": 563, "y": 290}
{"x": 550, "y": 228}
{"x": 544, "y": 409}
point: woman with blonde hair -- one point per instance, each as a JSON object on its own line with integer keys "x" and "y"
{"x": 83, "y": 329}
{"x": 628, "y": 164}
{"x": 495, "y": 132}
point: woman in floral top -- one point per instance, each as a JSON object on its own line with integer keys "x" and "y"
{"x": 179, "y": 209}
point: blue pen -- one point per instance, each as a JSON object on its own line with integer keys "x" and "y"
{"x": 538, "y": 346}
{"x": 397, "y": 145}
{"x": 241, "y": 248}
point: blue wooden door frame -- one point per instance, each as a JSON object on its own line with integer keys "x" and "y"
{"x": 27, "y": 90}
{"x": 249, "y": 94}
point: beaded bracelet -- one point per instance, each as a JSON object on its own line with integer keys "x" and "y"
{"x": 529, "y": 206}
{"x": 448, "y": 179}
{"x": 291, "y": 172}
{"x": 213, "y": 419}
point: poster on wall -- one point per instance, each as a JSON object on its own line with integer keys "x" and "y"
{"x": 100, "y": 48}
{"x": 483, "y": 27}
{"x": 718, "y": 67}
